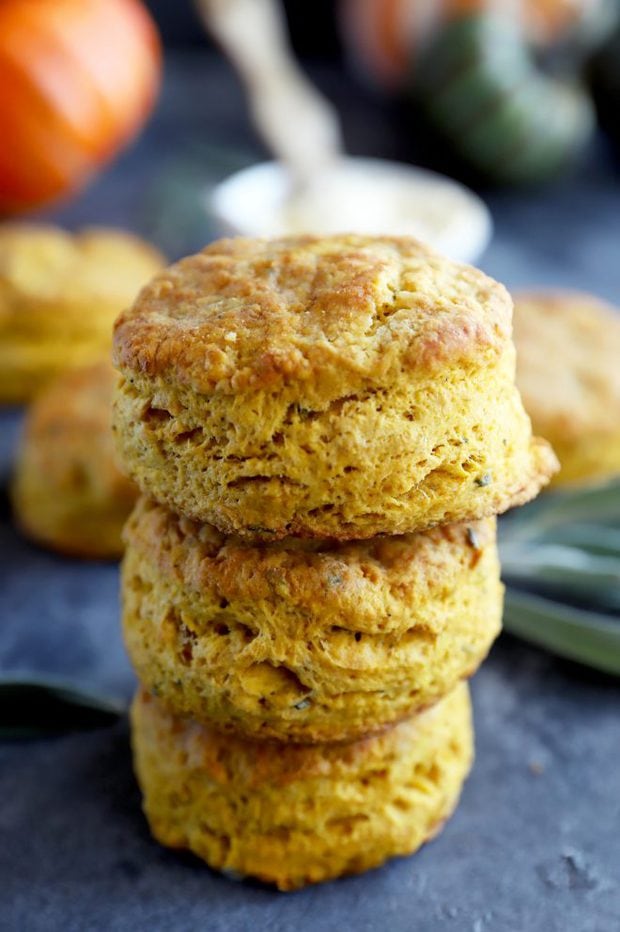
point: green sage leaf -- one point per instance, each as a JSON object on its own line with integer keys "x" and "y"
{"x": 585, "y": 636}
{"x": 38, "y": 707}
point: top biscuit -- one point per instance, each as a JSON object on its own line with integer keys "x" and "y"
{"x": 568, "y": 370}
{"x": 330, "y": 387}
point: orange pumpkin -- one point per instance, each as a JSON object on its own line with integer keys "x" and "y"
{"x": 77, "y": 80}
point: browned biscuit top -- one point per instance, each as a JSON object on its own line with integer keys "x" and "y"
{"x": 246, "y": 315}
{"x": 369, "y": 576}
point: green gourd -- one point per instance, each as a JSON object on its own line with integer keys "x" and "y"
{"x": 481, "y": 89}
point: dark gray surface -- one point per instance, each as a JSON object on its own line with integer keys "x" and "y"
{"x": 535, "y": 844}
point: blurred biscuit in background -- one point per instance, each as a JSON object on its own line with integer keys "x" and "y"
{"x": 568, "y": 371}
{"x": 68, "y": 493}
{"x": 59, "y": 295}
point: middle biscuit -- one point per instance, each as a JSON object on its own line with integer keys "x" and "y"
{"x": 304, "y": 640}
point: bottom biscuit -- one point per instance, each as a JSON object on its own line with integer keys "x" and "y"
{"x": 298, "y": 814}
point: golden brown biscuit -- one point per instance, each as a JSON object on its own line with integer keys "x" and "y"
{"x": 59, "y": 296}
{"x": 339, "y": 387}
{"x": 293, "y": 815}
{"x": 303, "y": 641}
{"x": 568, "y": 370}
{"x": 68, "y": 493}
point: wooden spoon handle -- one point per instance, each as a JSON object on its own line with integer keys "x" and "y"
{"x": 296, "y": 122}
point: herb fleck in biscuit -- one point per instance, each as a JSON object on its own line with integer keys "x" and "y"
{"x": 68, "y": 493}
{"x": 568, "y": 370}
{"x": 337, "y": 388}
{"x": 302, "y": 641}
{"x": 293, "y": 815}
{"x": 59, "y": 296}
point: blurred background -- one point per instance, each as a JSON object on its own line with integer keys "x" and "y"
{"x": 314, "y": 36}
{"x": 534, "y": 127}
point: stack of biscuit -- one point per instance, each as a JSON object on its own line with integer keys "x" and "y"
{"x": 323, "y": 430}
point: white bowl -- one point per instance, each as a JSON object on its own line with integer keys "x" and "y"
{"x": 372, "y": 196}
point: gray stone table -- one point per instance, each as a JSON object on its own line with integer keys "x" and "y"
{"x": 535, "y": 844}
